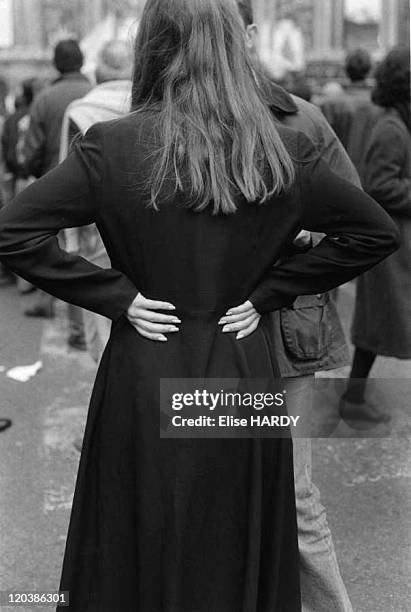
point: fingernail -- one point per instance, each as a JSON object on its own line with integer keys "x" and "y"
{"x": 163, "y": 339}
{"x": 176, "y": 321}
{"x": 222, "y": 321}
{"x": 174, "y": 329}
{"x": 226, "y": 328}
{"x": 240, "y": 335}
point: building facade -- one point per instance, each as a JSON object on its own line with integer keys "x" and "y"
{"x": 311, "y": 35}
{"x": 329, "y": 28}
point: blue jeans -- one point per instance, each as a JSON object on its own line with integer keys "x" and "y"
{"x": 322, "y": 587}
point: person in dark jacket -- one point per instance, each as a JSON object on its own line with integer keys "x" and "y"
{"x": 382, "y": 318}
{"x": 13, "y": 132}
{"x": 42, "y": 143}
{"x": 13, "y": 138}
{"x": 42, "y": 146}
{"x": 355, "y": 99}
{"x": 193, "y": 234}
{"x": 308, "y": 337}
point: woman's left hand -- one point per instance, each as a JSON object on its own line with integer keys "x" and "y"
{"x": 243, "y": 319}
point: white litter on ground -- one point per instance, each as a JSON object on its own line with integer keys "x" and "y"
{"x": 24, "y": 373}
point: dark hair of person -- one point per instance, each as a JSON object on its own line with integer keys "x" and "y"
{"x": 392, "y": 88}
{"x": 246, "y": 11}
{"x": 358, "y": 65}
{"x": 68, "y": 57}
{"x": 216, "y": 131}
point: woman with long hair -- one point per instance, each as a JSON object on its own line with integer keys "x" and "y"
{"x": 197, "y": 194}
{"x": 382, "y": 317}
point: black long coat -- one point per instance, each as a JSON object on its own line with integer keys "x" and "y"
{"x": 383, "y": 325}
{"x": 187, "y": 525}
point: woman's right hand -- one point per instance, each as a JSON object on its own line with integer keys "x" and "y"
{"x": 151, "y": 324}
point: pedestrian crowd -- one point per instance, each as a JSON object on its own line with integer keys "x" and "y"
{"x": 362, "y": 131}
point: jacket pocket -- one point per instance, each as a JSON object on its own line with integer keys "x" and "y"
{"x": 305, "y": 327}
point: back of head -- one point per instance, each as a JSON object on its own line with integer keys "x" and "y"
{"x": 358, "y": 65}
{"x": 68, "y": 56}
{"x": 115, "y": 61}
{"x": 219, "y": 137}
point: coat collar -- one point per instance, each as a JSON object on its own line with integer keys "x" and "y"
{"x": 278, "y": 99}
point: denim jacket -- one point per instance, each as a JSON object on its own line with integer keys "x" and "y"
{"x": 309, "y": 336}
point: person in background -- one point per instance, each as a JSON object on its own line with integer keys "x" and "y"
{"x": 15, "y": 130}
{"x": 382, "y": 317}
{"x": 110, "y": 99}
{"x": 340, "y": 110}
{"x": 4, "y": 90}
{"x": 308, "y": 338}
{"x": 13, "y": 139}
{"x": 42, "y": 144}
{"x": 298, "y": 85}
{"x": 6, "y": 278}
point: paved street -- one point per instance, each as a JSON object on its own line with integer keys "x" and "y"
{"x": 365, "y": 483}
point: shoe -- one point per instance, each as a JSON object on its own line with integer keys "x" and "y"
{"x": 77, "y": 342}
{"x": 365, "y": 411}
{"x": 4, "y": 424}
{"x": 40, "y": 312}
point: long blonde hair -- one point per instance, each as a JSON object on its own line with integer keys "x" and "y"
{"x": 218, "y": 137}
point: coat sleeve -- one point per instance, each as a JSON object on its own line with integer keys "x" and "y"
{"x": 383, "y": 170}
{"x": 65, "y": 197}
{"x": 359, "y": 234}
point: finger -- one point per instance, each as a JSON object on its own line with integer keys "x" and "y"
{"x": 156, "y": 328}
{"x": 154, "y": 305}
{"x": 249, "y": 330}
{"x": 239, "y": 309}
{"x": 241, "y": 325}
{"x": 155, "y": 317}
{"x": 150, "y": 336}
{"x": 236, "y": 317}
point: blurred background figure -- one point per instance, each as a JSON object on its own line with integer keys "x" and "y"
{"x": 340, "y": 109}
{"x": 298, "y": 85}
{"x": 382, "y": 318}
{"x": 14, "y": 134}
{"x": 110, "y": 99}
{"x": 42, "y": 145}
{"x": 4, "y": 91}
{"x": 6, "y": 278}
{"x": 13, "y": 141}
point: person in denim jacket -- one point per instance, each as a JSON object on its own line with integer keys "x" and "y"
{"x": 308, "y": 338}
